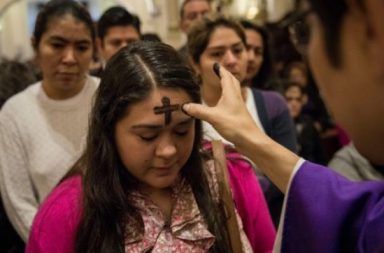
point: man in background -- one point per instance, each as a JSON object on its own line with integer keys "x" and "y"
{"x": 116, "y": 29}
{"x": 190, "y": 12}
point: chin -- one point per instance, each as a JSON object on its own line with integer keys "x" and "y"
{"x": 164, "y": 182}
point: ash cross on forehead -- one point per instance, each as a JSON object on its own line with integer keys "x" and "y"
{"x": 167, "y": 109}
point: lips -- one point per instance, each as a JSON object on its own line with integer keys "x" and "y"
{"x": 162, "y": 171}
{"x": 67, "y": 74}
{"x": 164, "y": 168}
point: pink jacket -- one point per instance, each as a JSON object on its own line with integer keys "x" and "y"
{"x": 55, "y": 224}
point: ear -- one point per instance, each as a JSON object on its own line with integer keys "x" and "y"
{"x": 194, "y": 65}
{"x": 100, "y": 47}
{"x": 99, "y": 44}
{"x": 372, "y": 12}
{"x": 375, "y": 13}
{"x": 34, "y": 47}
{"x": 182, "y": 25}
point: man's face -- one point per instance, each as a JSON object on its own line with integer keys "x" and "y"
{"x": 193, "y": 11}
{"x": 353, "y": 89}
{"x": 116, "y": 38}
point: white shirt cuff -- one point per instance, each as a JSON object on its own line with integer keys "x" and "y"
{"x": 277, "y": 245}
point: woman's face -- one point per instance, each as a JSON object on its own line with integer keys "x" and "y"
{"x": 226, "y": 48}
{"x": 255, "y": 52}
{"x": 64, "y": 54}
{"x": 151, "y": 150}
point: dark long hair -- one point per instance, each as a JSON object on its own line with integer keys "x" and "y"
{"x": 260, "y": 80}
{"x": 331, "y": 14}
{"x": 130, "y": 76}
{"x": 201, "y": 32}
{"x": 59, "y": 8}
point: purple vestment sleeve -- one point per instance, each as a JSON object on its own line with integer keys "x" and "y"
{"x": 327, "y": 213}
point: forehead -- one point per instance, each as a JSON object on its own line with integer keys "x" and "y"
{"x": 196, "y": 6}
{"x": 127, "y": 31}
{"x": 296, "y": 70}
{"x": 68, "y": 27}
{"x": 253, "y": 36}
{"x": 223, "y": 36}
{"x": 293, "y": 91}
{"x": 144, "y": 110}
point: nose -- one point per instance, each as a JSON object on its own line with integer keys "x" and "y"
{"x": 123, "y": 44}
{"x": 166, "y": 148}
{"x": 251, "y": 55}
{"x": 200, "y": 16}
{"x": 69, "y": 56}
{"x": 230, "y": 59}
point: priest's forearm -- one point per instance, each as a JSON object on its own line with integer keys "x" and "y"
{"x": 274, "y": 160}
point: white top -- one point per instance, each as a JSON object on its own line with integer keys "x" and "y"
{"x": 211, "y": 134}
{"x": 40, "y": 139}
{"x": 279, "y": 236}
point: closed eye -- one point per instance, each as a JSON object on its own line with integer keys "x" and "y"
{"x": 181, "y": 133}
{"x": 148, "y": 138}
{"x": 217, "y": 54}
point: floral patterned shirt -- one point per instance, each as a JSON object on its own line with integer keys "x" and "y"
{"x": 187, "y": 231}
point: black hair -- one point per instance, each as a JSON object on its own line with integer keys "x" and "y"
{"x": 181, "y": 13}
{"x": 150, "y": 37}
{"x": 117, "y": 16}
{"x": 14, "y": 77}
{"x": 130, "y": 76}
{"x": 289, "y": 84}
{"x": 201, "y": 32}
{"x": 331, "y": 14}
{"x": 266, "y": 70}
{"x": 56, "y": 9}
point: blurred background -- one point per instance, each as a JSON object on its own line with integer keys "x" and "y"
{"x": 161, "y": 16}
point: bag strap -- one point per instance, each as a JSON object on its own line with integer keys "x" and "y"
{"x": 226, "y": 196}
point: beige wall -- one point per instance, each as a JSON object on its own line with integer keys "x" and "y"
{"x": 15, "y": 41}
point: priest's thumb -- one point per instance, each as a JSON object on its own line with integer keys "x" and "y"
{"x": 197, "y": 111}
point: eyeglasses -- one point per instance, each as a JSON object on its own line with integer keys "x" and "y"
{"x": 299, "y": 30}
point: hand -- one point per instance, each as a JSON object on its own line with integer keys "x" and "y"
{"x": 230, "y": 117}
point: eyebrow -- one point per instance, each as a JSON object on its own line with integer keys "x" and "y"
{"x": 61, "y": 39}
{"x": 224, "y": 47}
{"x": 153, "y": 126}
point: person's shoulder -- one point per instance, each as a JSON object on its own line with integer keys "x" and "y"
{"x": 274, "y": 102}
{"x": 67, "y": 192}
{"x": 55, "y": 224}
{"x": 273, "y": 97}
{"x": 62, "y": 205}
{"x": 94, "y": 81}
{"x": 19, "y": 104}
{"x": 21, "y": 97}
{"x": 306, "y": 119}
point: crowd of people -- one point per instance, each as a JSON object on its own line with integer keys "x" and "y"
{"x": 107, "y": 136}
